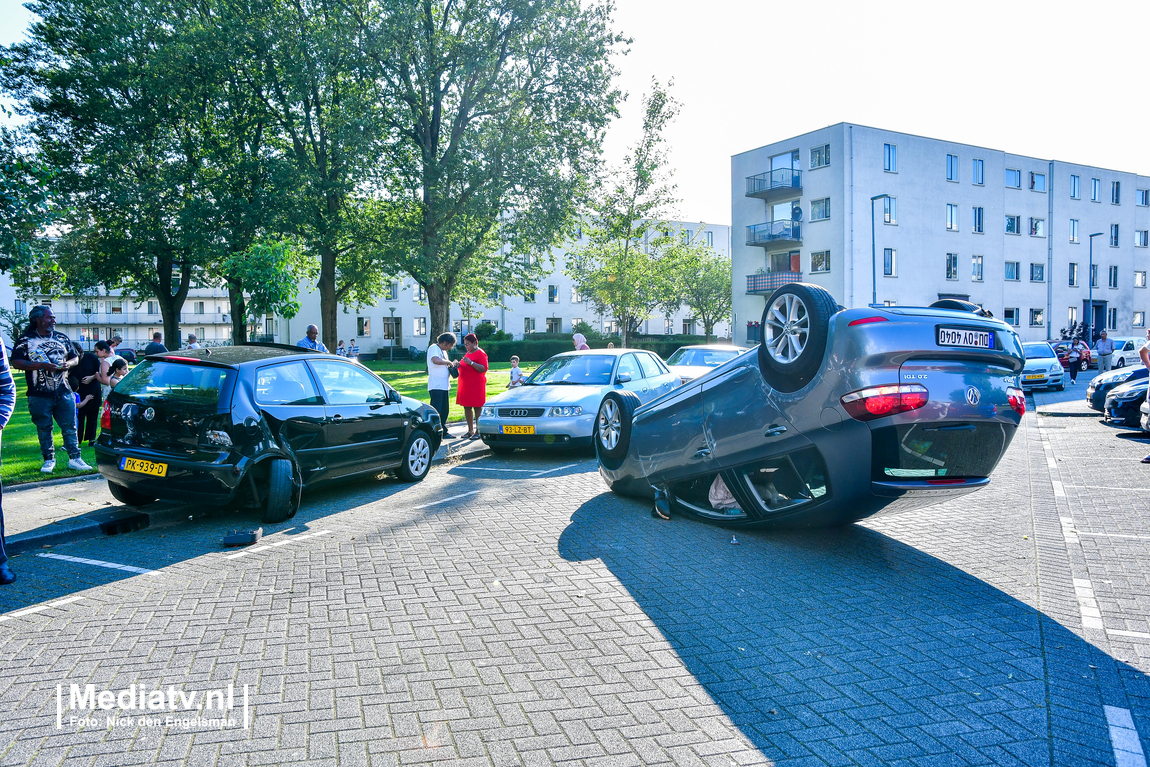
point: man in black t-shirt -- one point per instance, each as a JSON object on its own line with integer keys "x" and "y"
{"x": 46, "y": 356}
{"x": 157, "y": 345}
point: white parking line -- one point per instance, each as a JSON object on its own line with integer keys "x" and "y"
{"x": 1087, "y": 604}
{"x": 1124, "y": 738}
{"x": 1059, "y": 492}
{"x": 100, "y": 563}
{"x": 284, "y": 542}
{"x": 492, "y": 468}
{"x": 558, "y": 468}
{"x": 38, "y": 608}
{"x": 1117, "y": 535}
{"x": 1132, "y": 634}
{"x": 445, "y": 500}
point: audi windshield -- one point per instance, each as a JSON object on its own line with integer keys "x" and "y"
{"x": 574, "y": 370}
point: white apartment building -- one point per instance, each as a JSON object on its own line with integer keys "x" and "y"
{"x": 400, "y": 318}
{"x": 1007, "y": 231}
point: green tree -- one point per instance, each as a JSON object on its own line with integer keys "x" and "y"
{"x": 26, "y": 203}
{"x": 266, "y": 277}
{"x": 699, "y": 278}
{"x": 497, "y": 109}
{"x": 618, "y": 271}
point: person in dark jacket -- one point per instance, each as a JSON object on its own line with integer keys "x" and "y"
{"x": 87, "y": 388}
{"x": 7, "y": 405}
{"x": 157, "y": 345}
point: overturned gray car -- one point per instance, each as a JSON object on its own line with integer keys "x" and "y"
{"x": 841, "y": 414}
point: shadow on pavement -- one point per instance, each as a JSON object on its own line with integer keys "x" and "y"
{"x": 848, "y": 646}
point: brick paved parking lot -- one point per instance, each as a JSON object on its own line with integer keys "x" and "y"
{"x": 510, "y": 611}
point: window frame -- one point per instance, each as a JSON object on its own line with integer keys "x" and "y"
{"x": 1075, "y": 186}
{"x": 1142, "y": 197}
{"x": 1034, "y": 176}
{"x": 978, "y": 219}
{"x": 952, "y": 168}
{"x": 1140, "y": 278}
{"x": 1037, "y": 227}
{"x": 952, "y": 217}
{"x": 1074, "y": 230}
{"x": 1006, "y": 177}
{"x": 826, "y": 263}
{"x": 823, "y": 152}
{"x": 976, "y": 268}
{"x": 1072, "y": 275}
{"x": 1006, "y": 312}
{"x": 1040, "y": 268}
{"x": 890, "y": 265}
{"x": 1017, "y": 219}
{"x": 1139, "y": 319}
{"x": 977, "y": 172}
{"x": 890, "y": 210}
{"x": 1141, "y": 238}
{"x": 1095, "y": 190}
{"x": 952, "y": 267}
{"x": 1017, "y": 271}
{"x": 825, "y": 204}
{"x": 1115, "y": 192}
{"x": 1115, "y": 234}
{"x": 890, "y": 158}
{"x": 1112, "y": 277}
{"x": 1041, "y": 314}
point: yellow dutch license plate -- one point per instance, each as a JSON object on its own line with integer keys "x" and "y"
{"x": 518, "y": 429}
{"x": 144, "y": 467}
{"x": 1033, "y": 377}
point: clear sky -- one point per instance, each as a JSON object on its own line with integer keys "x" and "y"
{"x": 1053, "y": 79}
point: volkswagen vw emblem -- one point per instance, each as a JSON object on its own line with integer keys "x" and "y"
{"x": 972, "y": 395}
{"x": 517, "y": 413}
{"x": 149, "y": 414}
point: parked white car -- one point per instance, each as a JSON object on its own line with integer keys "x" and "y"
{"x": 1126, "y": 351}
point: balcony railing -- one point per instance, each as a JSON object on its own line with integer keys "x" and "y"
{"x": 758, "y": 284}
{"x": 774, "y": 182}
{"x": 774, "y": 231}
{"x": 137, "y": 318}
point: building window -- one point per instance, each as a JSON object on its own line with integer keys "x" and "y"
{"x": 890, "y": 158}
{"x": 529, "y": 297}
{"x": 528, "y": 325}
{"x": 688, "y": 327}
{"x": 1142, "y": 197}
{"x": 976, "y": 172}
{"x": 1112, "y": 319}
{"x": 820, "y": 261}
{"x": 976, "y": 268}
{"x": 1116, "y": 193}
{"x": 1139, "y": 319}
{"x": 420, "y": 328}
{"x": 1074, "y": 230}
{"x": 1012, "y": 271}
{"x": 1075, "y": 192}
{"x": 392, "y": 292}
{"x": 952, "y": 266}
{"x": 93, "y": 334}
{"x": 552, "y": 294}
{"x": 363, "y": 327}
{"x": 1014, "y": 224}
{"x": 889, "y": 262}
{"x": 952, "y": 167}
{"x": 1013, "y": 178}
{"x": 1113, "y": 276}
{"x": 1038, "y": 272}
{"x": 1037, "y": 227}
{"x": 1035, "y": 318}
{"x": 1010, "y": 315}
{"x": 710, "y": 236}
{"x": 951, "y": 217}
{"x": 576, "y": 296}
{"x": 1072, "y": 314}
{"x": 668, "y": 327}
{"x": 890, "y": 210}
{"x": 1139, "y": 279}
{"x": 821, "y": 209}
{"x": 554, "y": 324}
{"x": 420, "y": 293}
{"x": 1095, "y": 190}
{"x": 820, "y": 156}
{"x": 197, "y": 307}
{"x": 1073, "y": 281}
{"x": 1038, "y": 182}
{"x": 1141, "y": 238}
{"x": 1114, "y": 235}
{"x": 611, "y": 327}
{"x": 977, "y": 217}
{"x": 1094, "y": 275}
{"x": 153, "y": 308}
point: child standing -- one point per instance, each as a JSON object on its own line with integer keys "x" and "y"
{"x": 517, "y": 377}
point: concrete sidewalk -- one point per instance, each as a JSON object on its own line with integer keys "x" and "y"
{"x": 39, "y": 514}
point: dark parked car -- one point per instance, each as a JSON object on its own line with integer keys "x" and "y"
{"x": 839, "y": 414}
{"x": 254, "y": 425}
{"x": 1124, "y": 400}
{"x": 1100, "y": 386}
{"x": 1062, "y": 349}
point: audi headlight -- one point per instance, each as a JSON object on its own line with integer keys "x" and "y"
{"x": 487, "y": 412}
{"x": 565, "y": 411}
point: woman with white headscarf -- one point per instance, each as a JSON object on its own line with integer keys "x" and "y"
{"x": 580, "y": 342}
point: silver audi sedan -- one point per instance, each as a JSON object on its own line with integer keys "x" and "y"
{"x": 557, "y": 405}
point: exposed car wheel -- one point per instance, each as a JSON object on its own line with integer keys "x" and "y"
{"x": 795, "y": 325}
{"x": 416, "y": 458}
{"x": 129, "y": 497}
{"x": 280, "y": 502}
{"x": 1120, "y": 363}
{"x": 1085, "y": 365}
{"x": 612, "y": 432}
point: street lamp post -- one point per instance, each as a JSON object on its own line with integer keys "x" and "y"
{"x": 873, "y": 268}
{"x": 1090, "y": 291}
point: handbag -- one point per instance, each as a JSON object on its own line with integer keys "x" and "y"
{"x": 453, "y": 371}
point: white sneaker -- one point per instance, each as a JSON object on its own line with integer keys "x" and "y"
{"x": 49, "y": 466}
{"x": 77, "y": 464}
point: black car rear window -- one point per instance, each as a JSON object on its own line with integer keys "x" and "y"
{"x": 176, "y": 382}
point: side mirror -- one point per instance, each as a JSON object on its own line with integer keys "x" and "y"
{"x": 622, "y": 378}
{"x": 394, "y": 396}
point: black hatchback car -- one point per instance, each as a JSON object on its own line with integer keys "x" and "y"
{"x": 254, "y": 425}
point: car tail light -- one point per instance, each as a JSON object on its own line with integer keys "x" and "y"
{"x": 866, "y": 321}
{"x": 880, "y": 401}
{"x": 1017, "y": 400}
{"x": 106, "y": 416}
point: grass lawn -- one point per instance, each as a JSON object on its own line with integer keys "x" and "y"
{"x": 410, "y": 380}
{"x": 20, "y": 449}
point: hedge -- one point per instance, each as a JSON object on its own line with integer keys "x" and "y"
{"x": 538, "y": 351}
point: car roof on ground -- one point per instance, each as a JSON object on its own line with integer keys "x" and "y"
{"x": 239, "y": 355}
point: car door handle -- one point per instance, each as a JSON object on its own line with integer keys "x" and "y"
{"x": 704, "y": 453}
{"x": 775, "y": 430}
{"x": 336, "y": 419}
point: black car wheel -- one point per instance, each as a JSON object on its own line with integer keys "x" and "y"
{"x": 612, "y": 432}
{"x": 795, "y": 324}
{"x": 281, "y": 501}
{"x": 1085, "y": 365}
{"x": 129, "y": 497}
{"x": 416, "y": 458}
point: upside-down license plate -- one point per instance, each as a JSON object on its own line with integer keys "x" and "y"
{"x": 518, "y": 429}
{"x": 975, "y": 339}
{"x": 144, "y": 467}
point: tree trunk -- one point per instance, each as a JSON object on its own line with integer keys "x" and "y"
{"x": 239, "y": 312}
{"x": 328, "y": 310}
{"x": 439, "y": 304}
{"x": 171, "y": 302}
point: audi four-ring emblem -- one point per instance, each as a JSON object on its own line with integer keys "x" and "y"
{"x": 517, "y": 413}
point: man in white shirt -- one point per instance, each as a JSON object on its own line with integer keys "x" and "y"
{"x": 439, "y": 366}
{"x": 193, "y": 342}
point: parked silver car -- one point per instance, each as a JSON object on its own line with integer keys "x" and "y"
{"x": 557, "y": 405}
{"x": 1042, "y": 367}
{"x": 690, "y": 362}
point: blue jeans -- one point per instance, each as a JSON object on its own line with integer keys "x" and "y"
{"x": 63, "y": 409}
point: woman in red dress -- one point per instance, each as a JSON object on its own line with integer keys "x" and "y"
{"x": 472, "y": 390}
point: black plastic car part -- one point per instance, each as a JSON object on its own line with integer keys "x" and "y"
{"x": 961, "y": 306}
{"x": 795, "y": 325}
{"x": 129, "y": 497}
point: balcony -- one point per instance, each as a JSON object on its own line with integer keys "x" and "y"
{"x": 775, "y": 233}
{"x": 775, "y": 184}
{"x": 765, "y": 284}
